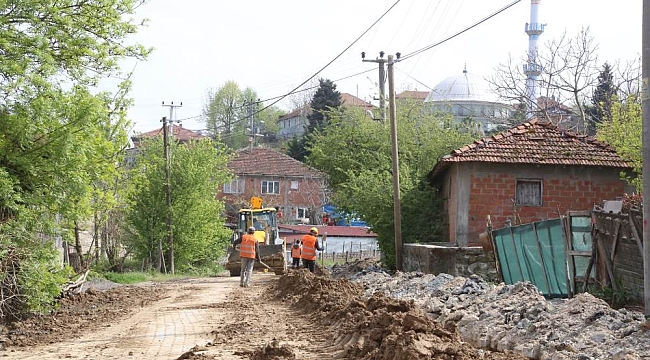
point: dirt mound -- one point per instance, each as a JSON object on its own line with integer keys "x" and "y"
{"x": 77, "y": 313}
{"x": 195, "y": 354}
{"x": 273, "y": 351}
{"x": 378, "y": 327}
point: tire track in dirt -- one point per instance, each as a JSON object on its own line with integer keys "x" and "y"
{"x": 162, "y": 330}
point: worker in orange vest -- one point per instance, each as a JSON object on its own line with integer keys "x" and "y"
{"x": 295, "y": 254}
{"x": 249, "y": 251}
{"x": 309, "y": 246}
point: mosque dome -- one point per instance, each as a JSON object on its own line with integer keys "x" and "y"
{"x": 467, "y": 97}
{"x": 462, "y": 87}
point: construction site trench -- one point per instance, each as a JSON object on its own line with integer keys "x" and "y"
{"x": 355, "y": 311}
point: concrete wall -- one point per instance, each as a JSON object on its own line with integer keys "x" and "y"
{"x": 489, "y": 189}
{"x": 436, "y": 258}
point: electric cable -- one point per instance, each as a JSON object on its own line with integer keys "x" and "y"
{"x": 417, "y": 52}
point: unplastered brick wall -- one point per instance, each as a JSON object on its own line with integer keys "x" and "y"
{"x": 563, "y": 189}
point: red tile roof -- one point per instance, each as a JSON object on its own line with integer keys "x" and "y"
{"x": 342, "y": 231}
{"x": 412, "y": 94}
{"x": 302, "y": 111}
{"x": 535, "y": 142}
{"x": 267, "y": 162}
{"x": 351, "y": 100}
{"x": 179, "y": 133}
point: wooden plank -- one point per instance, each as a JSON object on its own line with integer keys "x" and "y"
{"x": 592, "y": 260}
{"x": 608, "y": 264}
{"x": 568, "y": 260}
{"x": 578, "y": 253}
{"x": 616, "y": 235}
{"x": 635, "y": 233}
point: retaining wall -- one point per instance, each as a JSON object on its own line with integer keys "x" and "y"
{"x": 436, "y": 258}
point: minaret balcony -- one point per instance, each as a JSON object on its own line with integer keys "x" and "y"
{"x": 534, "y": 28}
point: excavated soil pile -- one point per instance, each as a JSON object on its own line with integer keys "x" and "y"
{"x": 515, "y": 317}
{"x": 78, "y": 313}
{"x": 376, "y": 328}
{"x": 273, "y": 351}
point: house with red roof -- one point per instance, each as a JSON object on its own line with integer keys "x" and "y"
{"x": 295, "y": 189}
{"x": 413, "y": 95}
{"x": 178, "y": 133}
{"x": 294, "y": 123}
{"x": 531, "y": 172}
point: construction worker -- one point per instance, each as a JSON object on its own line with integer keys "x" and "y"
{"x": 249, "y": 251}
{"x": 295, "y": 254}
{"x": 309, "y": 246}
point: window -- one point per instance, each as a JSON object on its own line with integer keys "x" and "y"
{"x": 234, "y": 187}
{"x": 303, "y": 213}
{"x": 271, "y": 187}
{"x": 294, "y": 185}
{"x": 529, "y": 192}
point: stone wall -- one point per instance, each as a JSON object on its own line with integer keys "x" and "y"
{"x": 436, "y": 258}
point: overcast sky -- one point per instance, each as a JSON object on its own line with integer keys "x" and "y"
{"x": 273, "y": 46}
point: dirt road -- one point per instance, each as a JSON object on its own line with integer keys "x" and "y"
{"x": 295, "y": 316}
{"x": 215, "y": 316}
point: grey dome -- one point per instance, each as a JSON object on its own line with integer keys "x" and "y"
{"x": 462, "y": 87}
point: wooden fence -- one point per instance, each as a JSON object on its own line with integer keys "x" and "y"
{"x": 350, "y": 255}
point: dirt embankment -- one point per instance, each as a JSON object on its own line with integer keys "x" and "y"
{"x": 375, "y": 328}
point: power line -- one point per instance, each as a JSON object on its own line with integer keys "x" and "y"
{"x": 331, "y": 61}
{"x": 417, "y": 52}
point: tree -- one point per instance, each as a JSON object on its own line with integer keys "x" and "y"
{"x": 361, "y": 179}
{"x": 59, "y": 143}
{"x": 602, "y": 98}
{"x": 325, "y": 100}
{"x": 624, "y": 132}
{"x": 198, "y": 169}
{"x": 568, "y": 69}
{"x": 228, "y": 111}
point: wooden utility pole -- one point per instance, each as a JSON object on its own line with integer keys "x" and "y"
{"x": 168, "y": 198}
{"x": 396, "y": 193}
{"x": 645, "y": 97}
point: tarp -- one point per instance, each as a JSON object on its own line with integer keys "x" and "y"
{"x": 536, "y": 252}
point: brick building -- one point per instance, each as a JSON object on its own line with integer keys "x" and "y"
{"x": 295, "y": 189}
{"x": 531, "y": 172}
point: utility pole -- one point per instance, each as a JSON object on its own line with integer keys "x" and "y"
{"x": 382, "y": 79}
{"x": 167, "y": 133}
{"x": 397, "y": 214}
{"x": 645, "y": 110}
{"x": 251, "y": 124}
{"x": 168, "y": 197}
{"x": 171, "y": 107}
{"x": 396, "y": 193}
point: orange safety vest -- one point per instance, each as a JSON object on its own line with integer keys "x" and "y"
{"x": 247, "y": 246}
{"x": 295, "y": 252}
{"x": 308, "y": 247}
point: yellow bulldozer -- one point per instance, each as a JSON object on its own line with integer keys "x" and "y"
{"x": 272, "y": 247}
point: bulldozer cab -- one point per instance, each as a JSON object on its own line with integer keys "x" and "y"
{"x": 264, "y": 220}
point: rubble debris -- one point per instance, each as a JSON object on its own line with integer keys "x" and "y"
{"x": 514, "y": 317}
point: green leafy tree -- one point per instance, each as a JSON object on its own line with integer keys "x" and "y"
{"x": 624, "y": 132}
{"x": 58, "y": 142}
{"x": 228, "y": 112}
{"x": 197, "y": 171}
{"x": 355, "y": 152}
